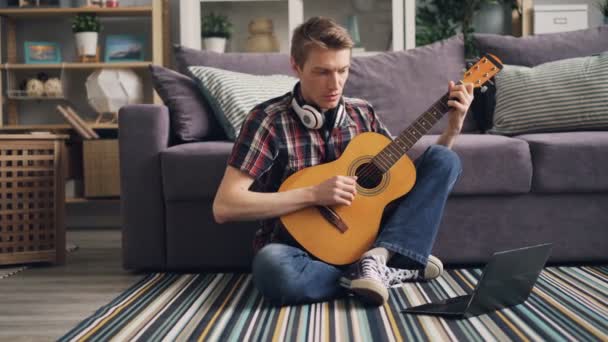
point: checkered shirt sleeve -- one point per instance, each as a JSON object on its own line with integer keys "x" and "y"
{"x": 377, "y": 125}
{"x": 255, "y": 149}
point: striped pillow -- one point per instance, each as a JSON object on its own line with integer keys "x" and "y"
{"x": 232, "y": 95}
{"x": 564, "y": 95}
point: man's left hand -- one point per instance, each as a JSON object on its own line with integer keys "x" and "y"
{"x": 461, "y": 96}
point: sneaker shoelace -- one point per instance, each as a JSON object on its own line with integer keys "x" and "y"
{"x": 373, "y": 267}
{"x": 396, "y": 277}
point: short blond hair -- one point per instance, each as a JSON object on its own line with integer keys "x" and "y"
{"x": 318, "y": 31}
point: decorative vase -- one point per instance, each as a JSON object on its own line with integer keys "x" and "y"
{"x": 215, "y": 44}
{"x": 110, "y": 89}
{"x": 261, "y": 37}
{"x": 86, "y": 43}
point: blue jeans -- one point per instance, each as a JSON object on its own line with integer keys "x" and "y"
{"x": 287, "y": 275}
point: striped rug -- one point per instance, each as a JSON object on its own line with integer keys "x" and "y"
{"x": 568, "y": 303}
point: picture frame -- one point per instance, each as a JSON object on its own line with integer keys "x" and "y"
{"x": 124, "y": 48}
{"x": 42, "y": 52}
{"x": 38, "y": 3}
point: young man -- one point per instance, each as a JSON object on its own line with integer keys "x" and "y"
{"x": 312, "y": 125}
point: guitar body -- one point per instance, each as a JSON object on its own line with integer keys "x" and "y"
{"x": 317, "y": 234}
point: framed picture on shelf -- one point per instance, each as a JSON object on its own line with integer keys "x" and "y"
{"x": 42, "y": 52}
{"x": 124, "y": 48}
{"x": 38, "y": 3}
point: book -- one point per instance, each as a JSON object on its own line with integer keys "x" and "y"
{"x": 81, "y": 131}
{"x": 82, "y": 123}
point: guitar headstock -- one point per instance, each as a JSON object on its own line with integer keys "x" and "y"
{"x": 488, "y": 66}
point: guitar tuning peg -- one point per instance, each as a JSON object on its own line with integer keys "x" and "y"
{"x": 491, "y": 82}
{"x": 483, "y": 89}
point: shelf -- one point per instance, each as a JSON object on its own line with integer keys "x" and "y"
{"x": 90, "y": 200}
{"x": 54, "y": 127}
{"x": 239, "y": 0}
{"x": 126, "y": 65}
{"x": 36, "y": 98}
{"x": 138, "y": 11}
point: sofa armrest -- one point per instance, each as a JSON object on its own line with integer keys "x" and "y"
{"x": 143, "y": 133}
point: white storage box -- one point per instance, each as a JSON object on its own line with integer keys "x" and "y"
{"x": 560, "y": 18}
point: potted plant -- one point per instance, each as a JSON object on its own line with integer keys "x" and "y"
{"x": 215, "y": 30}
{"x": 86, "y": 29}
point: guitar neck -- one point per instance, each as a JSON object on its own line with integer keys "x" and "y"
{"x": 398, "y": 147}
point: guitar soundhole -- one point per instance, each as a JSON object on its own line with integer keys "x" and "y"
{"x": 368, "y": 176}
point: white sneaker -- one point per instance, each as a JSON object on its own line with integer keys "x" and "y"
{"x": 433, "y": 269}
{"x": 369, "y": 283}
{"x": 396, "y": 277}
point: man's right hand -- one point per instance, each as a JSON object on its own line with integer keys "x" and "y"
{"x": 337, "y": 190}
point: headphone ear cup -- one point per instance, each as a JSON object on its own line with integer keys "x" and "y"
{"x": 310, "y": 117}
{"x": 316, "y": 118}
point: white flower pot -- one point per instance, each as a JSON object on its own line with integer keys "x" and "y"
{"x": 86, "y": 43}
{"x": 215, "y": 44}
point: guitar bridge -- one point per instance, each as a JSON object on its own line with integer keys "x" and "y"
{"x": 332, "y": 217}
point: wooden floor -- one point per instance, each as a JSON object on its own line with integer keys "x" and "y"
{"x": 42, "y": 303}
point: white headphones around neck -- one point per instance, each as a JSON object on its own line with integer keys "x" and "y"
{"x": 311, "y": 117}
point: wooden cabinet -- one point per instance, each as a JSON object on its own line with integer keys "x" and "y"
{"x": 31, "y": 198}
{"x": 101, "y": 168}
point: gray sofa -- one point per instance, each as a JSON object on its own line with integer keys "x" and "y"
{"x": 514, "y": 191}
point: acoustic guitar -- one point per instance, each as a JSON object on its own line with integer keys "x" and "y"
{"x": 340, "y": 234}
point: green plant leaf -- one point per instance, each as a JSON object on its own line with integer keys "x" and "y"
{"x": 216, "y": 25}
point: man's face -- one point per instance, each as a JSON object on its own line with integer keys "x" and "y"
{"x": 323, "y": 75}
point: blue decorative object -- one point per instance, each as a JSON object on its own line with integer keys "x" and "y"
{"x": 124, "y": 48}
{"x": 42, "y": 53}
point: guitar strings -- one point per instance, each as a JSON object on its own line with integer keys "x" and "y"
{"x": 371, "y": 169}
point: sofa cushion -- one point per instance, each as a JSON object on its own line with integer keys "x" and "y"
{"x": 564, "y": 95}
{"x": 569, "y": 162}
{"x": 232, "y": 95}
{"x": 194, "y": 170}
{"x": 251, "y": 63}
{"x": 490, "y": 164}
{"x": 401, "y": 85}
{"x": 538, "y": 49}
{"x": 191, "y": 118}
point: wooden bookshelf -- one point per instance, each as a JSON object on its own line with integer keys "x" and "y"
{"x": 71, "y": 200}
{"x": 157, "y": 12}
{"x": 53, "y": 127}
{"x": 20, "y": 13}
{"x": 126, "y": 65}
{"x": 12, "y": 65}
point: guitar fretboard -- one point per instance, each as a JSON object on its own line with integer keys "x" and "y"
{"x": 386, "y": 158}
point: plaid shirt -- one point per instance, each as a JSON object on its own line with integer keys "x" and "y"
{"x": 273, "y": 144}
